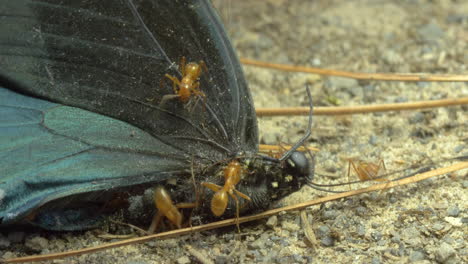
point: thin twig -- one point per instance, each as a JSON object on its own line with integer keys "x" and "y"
{"x": 111, "y": 236}
{"x": 348, "y": 110}
{"x": 233, "y": 221}
{"x": 406, "y": 77}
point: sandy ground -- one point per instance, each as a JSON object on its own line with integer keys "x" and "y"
{"x": 422, "y": 223}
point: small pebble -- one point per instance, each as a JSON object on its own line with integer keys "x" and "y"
{"x": 373, "y": 140}
{"x": 396, "y": 238}
{"x": 458, "y": 148}
{"x": 395, "y": 252}
{"x": 444, "y": 252}
{"x": 323, "y": 231}
{"x": 424, "y": 84}
{"x": 292, "y": 227}
{"x": 416, "y": 256}
{"x": 416, "y": 118}
{"x": 375, "y": 260}
{"x": 37, "y": 243}
{"x": 284, "y": 243}
{"x": 183, "y": 260}
{"x": 341, "y": 83}
{"x": 382, "y": 242}
{"x": 8, "y": 255}
{"x": 361, "y": 211}
{"x": 275, "y": 238}
{"x": 221, "y": 260}
{"x": 401, "y": 99}
{"x": 392, "y": 57}
{"x": 316, "y": 62}
{"x": 327, "y": 241}
{"x": 431, "y": 32}
{"x": 272, "y": 221}
{"x": 151, "y": 244}
{"x": 453, "y": 211}
{"x": 454, "y": 221}
{"x": 376, "y": 235}
{"x": 297, "y": 258}
{"x": 465, "y": 184}
{"x": 259, "y": 243}
{"x": 456, "y": 18}
{"x": 168, "y": 243}
{"x": 438, "y": 226}
{"x": 329, "y": 214}
{"x": 361, "y": 230}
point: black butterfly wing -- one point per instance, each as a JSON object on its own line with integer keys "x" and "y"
{"x": 108, "y": 57}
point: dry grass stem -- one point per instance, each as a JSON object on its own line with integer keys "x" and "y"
{"x": 349, "y": 110}
{"x": 406, "y": 77}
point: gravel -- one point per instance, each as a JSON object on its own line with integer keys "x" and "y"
{"x": 36, "y": 243}
{"x": 445, "y": 252}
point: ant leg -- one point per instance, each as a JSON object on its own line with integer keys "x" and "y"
{"x": 196, "y": 91}
{"x": 243, "y": 195}
{"x": 154, "y": 224}
{"x": 203, "y": 65}
{"x": 349, "y": 171}
{"x": 182, "y": 64}
{"x": 237, "y": 211}
{"x": 361, "y": 176}
{"x": 166, "y": 98}
{"x": 211, "y": 186}
{"x": 175, "y": 82}
{"x": 195, "y": 88}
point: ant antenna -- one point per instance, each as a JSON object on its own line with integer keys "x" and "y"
{"x": 307, "y": 133}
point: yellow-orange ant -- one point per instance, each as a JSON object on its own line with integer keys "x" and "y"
{"x": 167, "y": 208}
{"x": 366, "y": 171}
{"x": 219, "y": 202}
{"x": 189, "y": 84}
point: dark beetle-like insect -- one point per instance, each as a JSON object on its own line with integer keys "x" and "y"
{"x": 75, "y": 125}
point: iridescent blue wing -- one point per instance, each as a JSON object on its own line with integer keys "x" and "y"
{"x": 61, "y": 59}
{"x": 49, "y": 151}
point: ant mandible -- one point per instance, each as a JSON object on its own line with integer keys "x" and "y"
{"x": 189, "y": 84}
{"x": 219, "y": 202}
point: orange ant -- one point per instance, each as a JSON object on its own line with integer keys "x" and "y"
{"x": 366, "y": 170}
{"x": 167, "y": 208}
{"x": 189, "y": 84}
{"x": 232, "y": 176}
